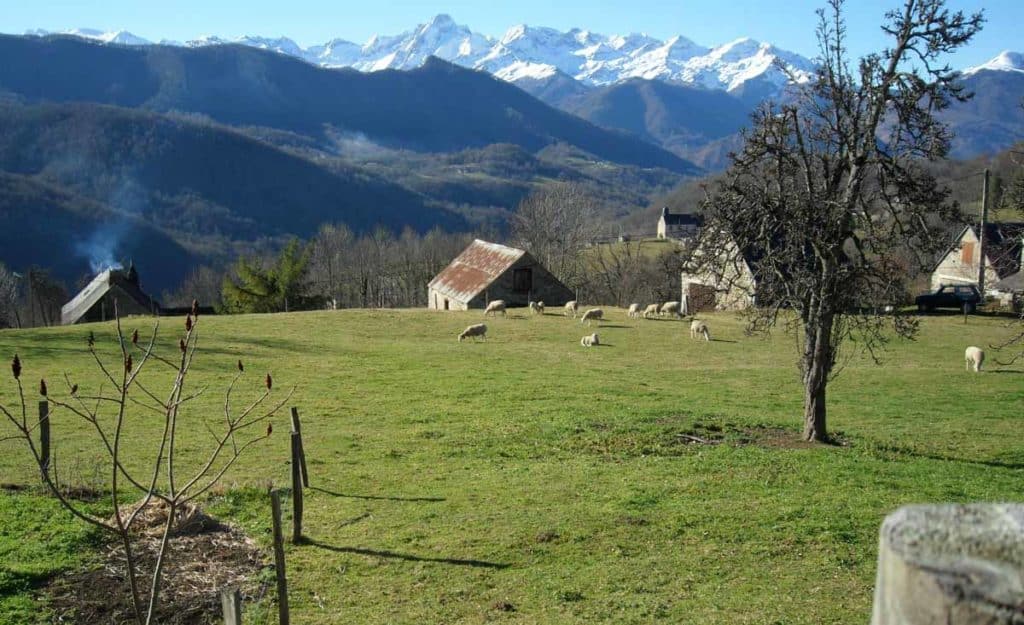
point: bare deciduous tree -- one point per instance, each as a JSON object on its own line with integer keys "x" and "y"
{"x": 108, "y": 412}
{"x": 8, "y": 299}
{"x": 829, "y": 197}
{"x": 555, "y": 224}
{"x": 378, "y": 269}
{"x": 630, "y": 271}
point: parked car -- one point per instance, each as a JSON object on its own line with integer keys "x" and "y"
{"x": 963, "y": 297}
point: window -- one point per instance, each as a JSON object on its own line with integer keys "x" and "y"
{"x": 967, "y": 253}
{"x": 522, "y": 280}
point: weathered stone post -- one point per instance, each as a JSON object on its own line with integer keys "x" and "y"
{"x": 951, "y": 564}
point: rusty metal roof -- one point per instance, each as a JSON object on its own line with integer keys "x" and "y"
{"x": 474, "y": 269}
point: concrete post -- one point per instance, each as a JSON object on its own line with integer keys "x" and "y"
{"x": 951, "y": 564}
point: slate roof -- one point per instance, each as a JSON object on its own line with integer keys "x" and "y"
{"x": 1011, "y": 284}
{"x": 680, "y": 219}
{"x": 94, "y": 291}
{"x": 474, "y": 270}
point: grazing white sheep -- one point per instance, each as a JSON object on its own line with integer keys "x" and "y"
{"x": 671, "y": 308}
{"x": 590, "y": 340}
{"x": 474, "y": 330}
{"x": 594, "y": 314}
{"x": 571, "y": 307}
{"x": 634, "y": 311}
{"x": 698, "y": 327}
{"x": 650, "y": 311}
{"x": 495, "y": 307}
{"x": 537, "y": 308}
{"x": 974, "y": 356}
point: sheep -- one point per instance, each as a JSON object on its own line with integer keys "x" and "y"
{"x": 698, "y": 327}
{"x": 671, "y": 308}
{"x": 594, "y": 314}
{"x": 974, "y": 356}
{"x": 590, "y": 340}
{"x": 571, "y": 307}
{"x": 537, "y": 308}
{"x": 474, "y": 330}
{"x": 634, "y": 310}
{"x": 650, "y": 311}
{"x": 495, "y": 307}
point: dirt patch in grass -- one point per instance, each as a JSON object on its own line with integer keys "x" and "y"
{"x": 675, "y": 436}
{"x": 204, "y": 556}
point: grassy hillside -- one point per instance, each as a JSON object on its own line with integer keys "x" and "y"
{"x": 529, "y": 480}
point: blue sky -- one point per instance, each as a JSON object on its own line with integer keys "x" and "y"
{"x": 787, "y": 23}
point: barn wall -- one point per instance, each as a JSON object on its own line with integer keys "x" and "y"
{"x": 703, "y": 293}
{"x": 436, "y": 300}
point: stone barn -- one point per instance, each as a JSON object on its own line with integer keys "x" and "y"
{"x": 731, "y": 285}
{"x": 1004, "y": 245}
{"x": 96, "y": 301}
{"x": 485, "y": 271}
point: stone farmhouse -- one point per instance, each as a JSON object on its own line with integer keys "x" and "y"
{"x": 1004, "y": 246}
{"x": 485, "y": 271}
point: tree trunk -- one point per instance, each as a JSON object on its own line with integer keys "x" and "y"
{"x": 817, "y": 366}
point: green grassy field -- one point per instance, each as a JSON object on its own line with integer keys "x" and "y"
{"x": 526, "y": 479}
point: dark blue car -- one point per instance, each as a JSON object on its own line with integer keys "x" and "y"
{"x": 963, "y": 297}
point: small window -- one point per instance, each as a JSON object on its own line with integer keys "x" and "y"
{"x": 967, "y": 253}
{"x": 522, "y": 280}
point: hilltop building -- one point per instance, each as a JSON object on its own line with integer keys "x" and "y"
{"x": 677, "y": 225}
{"x": 485, "y": 271}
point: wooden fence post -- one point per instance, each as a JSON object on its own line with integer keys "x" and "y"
{"x": 231, "y": 606}
{"x": 282, "y": 580}
{"x": 297, "y": 429}
{"x": 44, "y": 436}
{"x": 296, "y": 488}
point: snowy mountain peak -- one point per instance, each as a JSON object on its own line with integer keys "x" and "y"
{"x": 441, "y": 20}
{"x": 1005, "y": 61}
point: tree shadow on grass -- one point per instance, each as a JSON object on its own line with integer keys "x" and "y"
{"x": 374, "y": 497}
{"x": 902, "y": 451}
{"x": 723, "y": 341}
{"x": 382, "y": 553}
{"x": 609, "y": 325}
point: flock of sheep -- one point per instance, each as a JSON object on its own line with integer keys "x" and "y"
{"x": 974, "y": 356}
{"x": 698, "y": 328}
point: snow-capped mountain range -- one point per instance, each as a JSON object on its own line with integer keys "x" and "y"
{"x": 538, "y": 53}
{"x": 528, "y": 52}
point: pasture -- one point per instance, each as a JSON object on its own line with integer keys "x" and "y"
{"x": 527, "y": 479}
